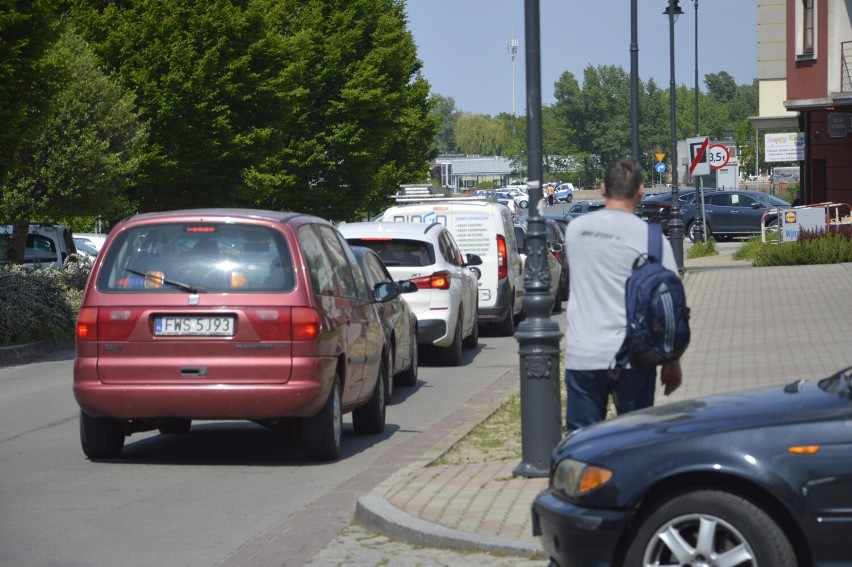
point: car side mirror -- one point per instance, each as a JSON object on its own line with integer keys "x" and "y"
{"x": 386, "y": 291}
{"x": 407, "y": 286}
{"x": 473, "y": 260}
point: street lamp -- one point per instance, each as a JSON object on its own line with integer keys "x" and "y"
{"x": 676, "y": 221}
{"x": 634, "y": 80}
{"x": 538, "y": 335}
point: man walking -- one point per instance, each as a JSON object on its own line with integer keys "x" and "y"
{"x": 602, "y": 247}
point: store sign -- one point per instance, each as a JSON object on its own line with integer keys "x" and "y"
{"x": 789, "y": 146}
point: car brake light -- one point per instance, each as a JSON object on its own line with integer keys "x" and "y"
{"x": 305, "y": 324}
{"x": 438, "y": 280}
{"x": 502, "y": 257}
{"x": 375, "y": 238}
{"x": 271, "y": 324}
{"x": 115, "y": 324}
{"x": 87, "y": 324}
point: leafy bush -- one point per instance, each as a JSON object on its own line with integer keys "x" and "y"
{"x": 812, "y": 247}
{"x": 41, "y": 304}
{"x": 702, "y": 249}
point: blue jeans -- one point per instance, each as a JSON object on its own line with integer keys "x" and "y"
{"x": 588, "y": 392}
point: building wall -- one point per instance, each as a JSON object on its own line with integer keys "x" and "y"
{"x": 771, "y": 40}
{"x": 830, "y": 160}
{"x": 807, "y": 77}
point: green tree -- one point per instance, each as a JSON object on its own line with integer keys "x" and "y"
{"x": 85, "y": 159}
{"x": 284, "y": 104}
{"x": 481, "y": 134}
{"x": 721, "y": 86}
{"x": 28, "y": 28}
{"x": 444, "y": 108}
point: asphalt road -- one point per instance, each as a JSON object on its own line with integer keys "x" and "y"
{"x": 224, "y": 494}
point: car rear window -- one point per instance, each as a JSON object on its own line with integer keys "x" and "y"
{"x": 197, "y": 258}
{"x": 398, "y": 252}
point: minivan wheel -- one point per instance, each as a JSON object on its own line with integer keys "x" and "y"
{"x": 370, "y": 418}
{"x": 101, "y": 437}
{"x": 322, "y": 433}
{"x": 506, "y": 327}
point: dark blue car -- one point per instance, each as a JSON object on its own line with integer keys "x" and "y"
{"x": 761, "y": 477}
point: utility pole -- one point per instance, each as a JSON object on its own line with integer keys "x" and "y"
{"x": 512, "y": 47}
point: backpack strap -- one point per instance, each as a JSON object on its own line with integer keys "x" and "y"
{"x": 655, "y": 242}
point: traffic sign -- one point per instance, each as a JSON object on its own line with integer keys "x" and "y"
{"x": 699, "y": 164}
{"x": 660, "y": 157}
{"x": 660, "y": 167}
{"x": 718, "y": 155}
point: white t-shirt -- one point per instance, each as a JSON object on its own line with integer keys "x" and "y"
{"x": 602, "y": 246}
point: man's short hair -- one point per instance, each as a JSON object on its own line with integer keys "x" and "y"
{"x": 623, "y": 178}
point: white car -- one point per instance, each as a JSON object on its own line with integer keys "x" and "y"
{"x": 446, "y": 302}
{"x": 521, "y": 199}
{"x": 92, "y": 239}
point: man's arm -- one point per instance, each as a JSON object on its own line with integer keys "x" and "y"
{"x": 671, "y": 377}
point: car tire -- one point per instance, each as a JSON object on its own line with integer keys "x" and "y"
{"x": 174, "y": 426}
{"x": 408, "y": 377}
{"x": 692, "y": 231}
{"x": 452, "y": 355}
{"x": 569, "y": 199}
{"x": 506, "y": 327}
{"x": 322, "y": 434}
{"x": 472, "y": 340}
{"x": 524, "y": 204}
{"x": 101, "y": 437}
{"x": 389, "y": 376}
{"x": 734, "y": 521}
{"x": 370, "y": 418}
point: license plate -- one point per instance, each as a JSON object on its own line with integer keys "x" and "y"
{"x": 207, "y": 326}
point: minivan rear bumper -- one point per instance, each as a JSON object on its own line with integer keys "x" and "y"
{"x": 303, "y": 395}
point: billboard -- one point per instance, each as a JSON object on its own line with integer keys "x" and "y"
{"x": 788, "y": 146}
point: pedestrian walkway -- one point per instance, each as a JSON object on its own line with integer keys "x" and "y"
{"x": 751, "y": 327}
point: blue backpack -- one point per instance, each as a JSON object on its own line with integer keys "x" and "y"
{"x": 657, "y": 315}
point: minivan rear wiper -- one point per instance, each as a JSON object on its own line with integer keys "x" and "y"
{"x": 180, "y": 285}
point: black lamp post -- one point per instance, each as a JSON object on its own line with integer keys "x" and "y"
{"x": 697, "y": 133}
{"x": 676, "y": 219}
{"x": 634, "y": 80}
{"x": 538, "y": 336}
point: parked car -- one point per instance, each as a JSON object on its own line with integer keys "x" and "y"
{"x": 229, "y": 314}
{"x": 483, "y": 228}
{"x": 555, "y": 227}
{"x": 564, "y": 193}
{"x": 554, "y": 268}
{"x": 733, "y": 213}
{"x": 656, "y": 207}
{"x": 522, "y": 200}
{"x": 447, "y": 296}
{"x": 398, "y": 321}
{"x": 48, "y": 245}
{"x": 94, "y": 240}
{"x": 760, "y": 477}
{"x": 583, "y": 207}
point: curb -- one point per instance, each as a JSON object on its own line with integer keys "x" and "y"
{"x": 378, "y": 515}
{"x": 19, "y": 354}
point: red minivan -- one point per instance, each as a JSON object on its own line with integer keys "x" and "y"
{"x": 229, "y": 314}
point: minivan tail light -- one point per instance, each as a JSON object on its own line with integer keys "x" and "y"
{"x": 305, "y": 323}
{"x": 116, "y": 324}
{"x": 438, "y": 280}
{"x": 502, "y": 257}
{"x": 270, "y": 323}
{"x": 87, "y": 324}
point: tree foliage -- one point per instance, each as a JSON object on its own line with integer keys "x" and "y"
{"x": 310, "y": 105}
{"x": 28, "y": 28}
{"x": 85, "y": 158}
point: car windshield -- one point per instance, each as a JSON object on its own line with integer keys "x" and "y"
{"x": 399, "y": 252}
{"x": 208, "y": 257}
{"x": 840, "y": 384}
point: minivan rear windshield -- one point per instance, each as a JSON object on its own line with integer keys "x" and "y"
{"x": 197, "y": 258}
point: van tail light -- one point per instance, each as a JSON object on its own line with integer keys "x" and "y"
{"x": 502, "y": 257}
{"x": 285, "y": 323}
{"x": 438, "y": 280}
{"x": 106, "y": 324}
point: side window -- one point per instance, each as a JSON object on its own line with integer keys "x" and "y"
{"x": 319, "y": 265}
{"x": 343, "y": 264}
{"x": 743, "y": 201}
{"x": 378, "y": 273}
{"x": 721, "y": 200}
{"x": 454, "y": 250}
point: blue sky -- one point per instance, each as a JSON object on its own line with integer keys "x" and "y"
{"x": 462, "y": 44}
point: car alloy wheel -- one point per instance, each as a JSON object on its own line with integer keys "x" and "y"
{"x": 408, "y": 377}
{"x": 709, "y": 527}
{"x": 453, "y": 353}
{"x": 370, "y": 418}
{"x": 322, "y": 434}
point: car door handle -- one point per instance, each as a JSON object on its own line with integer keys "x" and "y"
{"x": 197, "y": 371}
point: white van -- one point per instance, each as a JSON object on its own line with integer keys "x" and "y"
{"x": 48, "y": 245}
{"x": 484, "y": 228}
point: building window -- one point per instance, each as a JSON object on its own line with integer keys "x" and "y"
{"x": 807, "y": 27}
